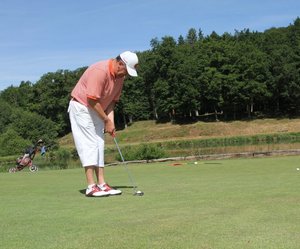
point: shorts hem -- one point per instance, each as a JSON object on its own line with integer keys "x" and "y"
{"x": 93, "y": 165}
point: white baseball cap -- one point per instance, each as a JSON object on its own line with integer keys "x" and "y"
{"x": 131, "y": 61}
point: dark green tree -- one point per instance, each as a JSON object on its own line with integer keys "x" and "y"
{"x": 11, "y": 143}
{"x": 191, "y": 37}
{"x": 32, "y": 126}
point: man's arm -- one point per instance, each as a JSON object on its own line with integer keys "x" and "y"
{"x": 108, "y": 122}
{"x": 110, "y": 112}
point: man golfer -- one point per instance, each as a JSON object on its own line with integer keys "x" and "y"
{"x": 91, "y": 112}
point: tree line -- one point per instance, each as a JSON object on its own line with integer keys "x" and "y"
{"x": 247, "y": 74}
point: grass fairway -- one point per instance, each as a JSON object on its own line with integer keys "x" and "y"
{"x": 240, "y": 204}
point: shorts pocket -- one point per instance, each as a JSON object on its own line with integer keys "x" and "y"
{"x": 83, "y": 117}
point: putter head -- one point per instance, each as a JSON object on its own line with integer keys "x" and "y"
{"x": 138, "y": 193}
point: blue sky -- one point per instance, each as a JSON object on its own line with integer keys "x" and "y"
{"x": 40, "y": 36}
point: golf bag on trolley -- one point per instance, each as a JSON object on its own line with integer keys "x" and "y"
{"x": 27, "y": 159}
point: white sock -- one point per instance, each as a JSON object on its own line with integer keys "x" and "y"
{"x": 101, "y": 185}
{"x": 91, "y": 185}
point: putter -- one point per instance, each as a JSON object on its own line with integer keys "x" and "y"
{"x": 135, "y": 191}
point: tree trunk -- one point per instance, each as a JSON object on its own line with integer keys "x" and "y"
{"x": 130, "y": 119}
{"x": 234, "y": 111}
{"x": 124, "y": 120}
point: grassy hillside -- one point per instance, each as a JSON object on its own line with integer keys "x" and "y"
{"x": 147, "y": 132}
{"x": 148, "y": 140}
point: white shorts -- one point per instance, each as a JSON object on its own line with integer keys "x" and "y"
{"x": 87, "y": 129}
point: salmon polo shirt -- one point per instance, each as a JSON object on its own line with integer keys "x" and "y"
{"x": 99, "y": 83}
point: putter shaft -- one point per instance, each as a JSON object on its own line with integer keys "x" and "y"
{"x": 125, "y": 165}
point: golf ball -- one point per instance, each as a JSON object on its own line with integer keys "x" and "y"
{"x": 195, "y": 162}
{"x": 298, "y": 169}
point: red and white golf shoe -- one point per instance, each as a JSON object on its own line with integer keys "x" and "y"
{"x": 108, "y": 189}
{"x": 95, "y": 191}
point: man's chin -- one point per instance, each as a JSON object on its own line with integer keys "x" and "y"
{"x": 120, "y": 76}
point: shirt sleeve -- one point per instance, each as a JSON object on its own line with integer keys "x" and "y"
{"x": 95, "y": 84}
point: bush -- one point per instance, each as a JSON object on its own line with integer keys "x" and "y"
{"x": 74, "y": 154}
{"x": 12, "y": 144}
{"x": 55, "y": 159}
{"x": 33, "y": 126}
{"x": 234, "y": 141}
{"x": 142, "y": 152}
{"x": 62, "y": 157}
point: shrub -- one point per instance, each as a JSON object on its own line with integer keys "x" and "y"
{"x": 33, "y": 126}
{"x": 62, "y": 158}
{"x": 12, "y": 144}
{"x": 142, "y": 152}
{"x": 74, "y": 154}
{"x": 56, "y": 159}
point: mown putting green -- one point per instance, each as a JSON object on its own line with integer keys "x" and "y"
{"x": 242, "y": 203}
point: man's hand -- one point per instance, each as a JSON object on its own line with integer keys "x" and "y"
{"x": 109, "y": 127}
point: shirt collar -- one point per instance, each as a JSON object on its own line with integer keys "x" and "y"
{"x": 111, "y": 67}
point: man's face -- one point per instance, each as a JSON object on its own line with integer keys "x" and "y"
{"x": 121, "y": 69}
